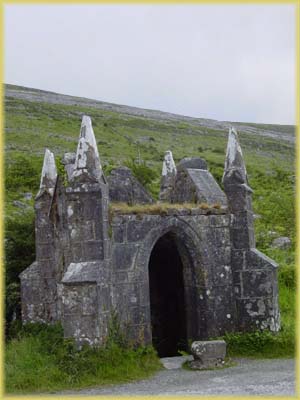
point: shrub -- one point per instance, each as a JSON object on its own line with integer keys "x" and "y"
{"x": 19, "y": 254}
{"x": 287, "y": 276}
{"x": 260, "y": 344}
{"x": 144, "y": 174}
{"x": 22, "y": 172}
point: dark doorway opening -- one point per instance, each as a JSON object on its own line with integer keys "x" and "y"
{"x": 167, "y": 304}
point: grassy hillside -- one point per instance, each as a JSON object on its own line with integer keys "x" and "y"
{"x": 36, "y": 119}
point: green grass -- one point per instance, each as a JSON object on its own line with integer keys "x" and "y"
{"x": 261, "y": 344}
{"x": 264, "y": 344}
{"x": 40, "y": 360}
{"x": 163, "y": 208}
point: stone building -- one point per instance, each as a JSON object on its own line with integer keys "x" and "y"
{"x": 182, "y": 269}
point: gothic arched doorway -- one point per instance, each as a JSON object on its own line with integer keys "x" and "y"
{"x": 167, "y": 299}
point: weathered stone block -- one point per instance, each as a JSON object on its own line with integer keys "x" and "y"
{"x": 208, "y": 354}
{"x": 192, "y": 162}
{"x": 124, "y": 187}
{"x": 33, "y": 312}
{"x": 257, "y": 283}
{"x": 77, "y": 252}
{"x": 92, "y": 250}
{"x": 238, "y": 200}
{"x": 242, "y": 220}
{"x": 242, "y": 238}
{"x": 222, "y": 275}
{"x": 216, "y": 255}
{"x": 216, "y": 236}
{"x": 88, "y": 231}
{"x": 89, "y": 300}
{"x": 124, "y": 255}
{"x": 136, "y": 231}
{"x": 239, "y": 259}
{"x": 92, "y": 209}
{"x": 118, "y": 232}
{"x": 45, "y": 234}
{"x": 45, "y": 251}
{"x": 256, "y": 259}
{"x": 71, "y": 301}
{"x": 282, "y": 242}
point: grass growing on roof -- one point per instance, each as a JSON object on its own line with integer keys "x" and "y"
{"x": 164, "y": 208}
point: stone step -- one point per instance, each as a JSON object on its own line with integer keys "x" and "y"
{"x": 175, "y": 362}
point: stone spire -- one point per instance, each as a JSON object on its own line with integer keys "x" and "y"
{"x": 234, "y": 156}
{"x": 235, "y": 170}
{"x": 167, "y": 177}
{"x": 49, "y": 174}
{"x": 169, "y": 167}
{"x": 87, "y": 162}
{"x": 238, "y": 193}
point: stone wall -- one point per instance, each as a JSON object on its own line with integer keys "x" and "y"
{"x": 204, "y": 245}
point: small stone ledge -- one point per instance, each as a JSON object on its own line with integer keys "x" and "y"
{"x": 82, "y": 272}
{"x": 32, "y": 272}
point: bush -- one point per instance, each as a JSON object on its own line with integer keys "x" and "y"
{"x": 144, "y": 174}
{"x": 19, "y": 254}
{"x": 108, "y": 167}
{"x": 23, "y": 172}
{"x": 260, "y": 344}
{"x": 287, "y": 276}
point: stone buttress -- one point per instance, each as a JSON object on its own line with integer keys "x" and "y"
{"x": 86, "y": 299}
{"x": 255, "y": 275}
{"x": 38, "y": 282}
{"x": 183, "y": 269}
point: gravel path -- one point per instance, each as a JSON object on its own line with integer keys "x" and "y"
{"x": 248, "y": 377}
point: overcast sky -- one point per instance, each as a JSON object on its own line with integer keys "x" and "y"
{"x": 229, "y": 62}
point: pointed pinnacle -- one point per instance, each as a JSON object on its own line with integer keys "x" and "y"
{"x": 169, "y": 167}
{"x": 234, "y": 156}
{"x": 87, "y": 157}
{"x": 49, "y": 173}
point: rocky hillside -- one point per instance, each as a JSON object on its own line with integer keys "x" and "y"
{"x": 280, "y": 132}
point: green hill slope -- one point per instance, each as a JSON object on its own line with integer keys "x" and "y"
{"x": 35, "y": 119}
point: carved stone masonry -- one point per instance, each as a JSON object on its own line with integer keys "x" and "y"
{"x": 185, "y": 274}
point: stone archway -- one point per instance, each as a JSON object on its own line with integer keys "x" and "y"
{"x": 167, "y": 297}
{"x": 192, "y": 249}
